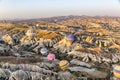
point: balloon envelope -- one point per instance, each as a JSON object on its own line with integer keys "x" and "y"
{"x": 116, "y": 71}
{"x": 64, "y": 65}
{"x": 30, "y": 32}
{"x": 44, "y": 51}
{"x": 51, "y": 57}
{"x": 71, "y": 37}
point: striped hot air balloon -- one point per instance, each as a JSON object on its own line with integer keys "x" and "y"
{"x": 116, "y": 72}
{"x": 51, "y": 57}
{"x": 64, "y": 65}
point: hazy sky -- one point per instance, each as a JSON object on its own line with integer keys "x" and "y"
{"x": 10, "y": 9}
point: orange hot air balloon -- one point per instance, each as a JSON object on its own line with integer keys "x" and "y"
{"x": 64, "y": 65}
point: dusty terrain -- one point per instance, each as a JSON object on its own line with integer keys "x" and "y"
{"x": 97, "y": 44}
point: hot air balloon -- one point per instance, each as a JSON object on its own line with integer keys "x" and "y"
{"x": 70, "y": 38}
{"x": 44, "y": 51}
{"x": 116, "y": 72}
{"x": 31, "y": 33}
{"x": 51, "y": 57}
{"x": 64, "y": 65}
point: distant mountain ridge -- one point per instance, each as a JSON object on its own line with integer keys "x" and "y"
{"x": 59, "y": 18}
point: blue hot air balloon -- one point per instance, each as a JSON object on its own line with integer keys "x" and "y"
{"x": 71, "y": 38}
{"x": 44, "y": 51}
